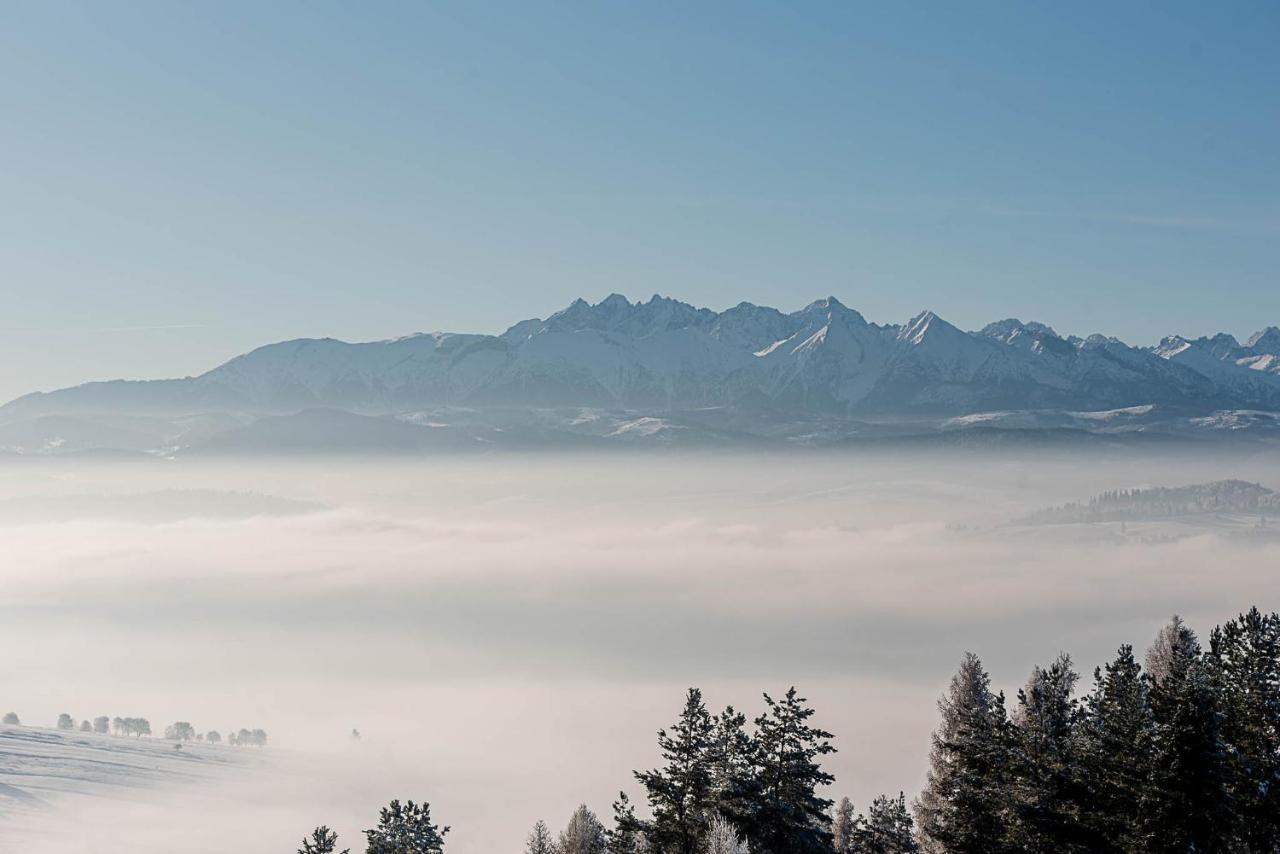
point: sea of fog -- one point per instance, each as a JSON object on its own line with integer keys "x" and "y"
{"x": 508, "y": 632}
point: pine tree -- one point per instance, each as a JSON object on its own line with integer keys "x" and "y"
{"x": 887, "y": 828}
{"x": 734, "y": 788}
{"x": 1115, "y": 738}
{"x": 1046, "y": 791}
{"x": 406, "y": 829}
{"x": 1186, "y": 804}
{"x": 583, "y": 835}
{"x": 680, "y": 795}
{"x": 964, "y": 808}
{"x": 844, "y": 827}
{"x": 322, "y": 841}
{"x": 788, "y": 815}
{"x": 1245, "y": 657}
{"x": 628, "y": 831}
{"x": 540, "y": 841}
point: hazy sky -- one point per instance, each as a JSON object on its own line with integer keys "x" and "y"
{"x": 185, "y": 181}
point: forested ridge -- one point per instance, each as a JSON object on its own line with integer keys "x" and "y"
{"x": 1177, "y": 753}
{"x": 1223, "y": 496}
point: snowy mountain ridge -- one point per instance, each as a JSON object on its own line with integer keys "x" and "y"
{"x": 663, "y": 356}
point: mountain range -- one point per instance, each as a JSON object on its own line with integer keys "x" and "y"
{"x": 664, "y": 371}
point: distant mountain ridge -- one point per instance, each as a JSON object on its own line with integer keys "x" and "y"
{"x": 664, "y": 356}
{"x": 667, "y": 354}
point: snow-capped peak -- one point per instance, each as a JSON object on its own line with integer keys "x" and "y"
{"x": 1009, "y": 328}
{"x": 1266, "y": 341}
{"x": 927, "y": 325}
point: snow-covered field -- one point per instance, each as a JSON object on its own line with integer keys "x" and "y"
{"x": 48, "y": 776}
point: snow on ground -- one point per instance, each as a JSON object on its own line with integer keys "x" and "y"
{"x": 48, "y": 776}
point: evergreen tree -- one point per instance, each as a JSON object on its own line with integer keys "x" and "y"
{"x": 733, "y": 781}
{"x": 964, "y": 808}
{"x": 844, "y": 828}
{"x": 406, "y": 829}
{"x": 680, "y": 795}
{"x": 1245, "y": 657}
{"x": 887, "y": 828}
{"x": 322, "y": 841}
{"x": 1186, "y": 805}
{"x": 540, "y": 841}
{"x": 1115, "y": 738}
{"x": 788, "y": 816}
{"x": 583, "y": 835}
{"x": 628, "y": 831}
{"x": 1047, "y": 798}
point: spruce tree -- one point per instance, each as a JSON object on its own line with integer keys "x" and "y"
{"x": 1115, "y": 740}
{"x": 322, "y": 841}
{"x": 680, "y": 794}
{"x": 1047, "y": 797}
{"x": 1245, "y": 658}
{"x": 844, "y": 828}
{"x": 965, "y": 808}
{"x": 887, "y": 828}
{"x": 788, "y": 816}
{"x": 406, "y": 829}
{"x": 1186, "y": 804}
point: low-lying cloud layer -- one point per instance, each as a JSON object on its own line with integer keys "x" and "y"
{"x": 508, "y": 633}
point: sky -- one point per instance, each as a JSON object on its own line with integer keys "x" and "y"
{"x": 183, "y": 182}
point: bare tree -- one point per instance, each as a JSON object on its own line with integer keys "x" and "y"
{"x": 844, "y": 827}
{"x": 583, "y": 835}
{"x": 723, "y": 839}
{"x": 540, "y": 841}
{"x": 180, "y": 731}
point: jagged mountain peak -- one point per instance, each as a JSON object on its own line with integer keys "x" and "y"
{"x": 1266, "y": 341}
{"x": 1097, "y": 339}
{"x": 1172, "y": 345}
{"x": 828, "y": 309}
{"x": 928, "y": 326}
{"x": 617, "y": 314}
{"x": 1011, "y": 327}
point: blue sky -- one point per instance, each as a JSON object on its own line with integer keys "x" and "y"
{"x": 185, "y": 181}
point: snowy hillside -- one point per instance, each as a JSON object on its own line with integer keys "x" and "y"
{"x": 659, "y": 359}
{"x": 44, "y": 772}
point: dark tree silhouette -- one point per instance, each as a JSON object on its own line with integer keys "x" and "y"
{"x": 406, "y": 829}
{"x": 322, "y": 841}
